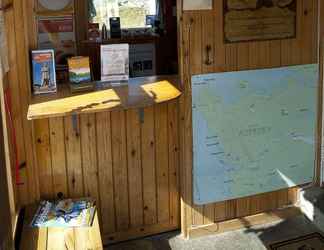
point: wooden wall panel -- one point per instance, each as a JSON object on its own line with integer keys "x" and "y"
{"x": 57, "y": 145}
{"x": 162, "y": 164}
{"x": 128, "y": 163}
{"x": 195, "y": 36}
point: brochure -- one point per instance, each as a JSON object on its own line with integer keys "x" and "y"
{"x": 79, "y": 69}
{"x": 44, "y": 76}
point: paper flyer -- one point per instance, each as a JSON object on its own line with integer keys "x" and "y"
{"x": 115, "y": 63}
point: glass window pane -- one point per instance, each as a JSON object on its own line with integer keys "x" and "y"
{"x": 132, "y": 13}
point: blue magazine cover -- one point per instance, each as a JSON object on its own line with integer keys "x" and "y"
{"x": 65, "y": 213}
{"x": 44, "y": 75}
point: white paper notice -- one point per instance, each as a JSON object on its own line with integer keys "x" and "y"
{"x": 197, "y": 4}
{"x": 115, "y": 62}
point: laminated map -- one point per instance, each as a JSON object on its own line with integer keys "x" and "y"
{"x": 253, "y": 131}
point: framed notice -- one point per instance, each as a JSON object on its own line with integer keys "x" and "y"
{"x": 253, "y": 20}
{"x": 197, "y": 4}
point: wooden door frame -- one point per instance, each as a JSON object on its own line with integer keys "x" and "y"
{"x": 4, "y": 140}
{"x": 7, "y": 209}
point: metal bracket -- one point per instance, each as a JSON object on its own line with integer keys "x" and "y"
{"x": 75, "y": 123}
{"x": 141, "y": 115}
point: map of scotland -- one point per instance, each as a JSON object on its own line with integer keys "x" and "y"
{"x": 253, "y": 131}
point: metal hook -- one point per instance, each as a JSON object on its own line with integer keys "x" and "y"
{"x": 208, "y": 60}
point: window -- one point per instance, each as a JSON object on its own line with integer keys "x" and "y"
{"x": 132, "y": 13}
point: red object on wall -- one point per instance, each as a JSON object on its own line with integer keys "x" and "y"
{"x": 7, "y": 100}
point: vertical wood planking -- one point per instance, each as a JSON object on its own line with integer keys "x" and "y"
{"x": 184, "y": 34}
{"x": 149, "y": 169}
{"x": 105, "y": 169}
{"x": 55, "y": 239}
{"x": 44, "y": 160}
{"x": 219, "y": 57}
{"x": 119, "y": 153}
{"x": 73, "y": 157}
{"x": 208, "y": 42}
{"x": 162, "y": 162}
{"x": 134, "y": 168}
{"x": 89, "y": 156}
{"x": 196, "y": 47}
{"x": 220, "y": 211}
{"x": 22, "y": 189}
{"x": 19, "y": 29}
{"x": 307, "y": 30}
{"x": 173, "y": 135}
{"x": 56, "y": 127}
{"x": 21, "y": 33}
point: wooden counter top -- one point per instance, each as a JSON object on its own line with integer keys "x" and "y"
{"x": 139, "y": 93}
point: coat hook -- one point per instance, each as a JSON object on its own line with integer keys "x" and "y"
{"x": 6, "y": 7}
{"x": 208, "y": 60}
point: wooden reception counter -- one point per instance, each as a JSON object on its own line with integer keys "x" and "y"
{"x": 139, "y": 93}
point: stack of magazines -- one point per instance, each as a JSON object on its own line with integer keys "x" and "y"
{"x": 65, "y": 213}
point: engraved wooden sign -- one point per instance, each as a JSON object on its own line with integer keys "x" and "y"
{"x": 252, "y": 20}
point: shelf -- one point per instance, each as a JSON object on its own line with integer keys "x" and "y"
{"x": 139, "y": 93}
{"x": 135, "y": 39}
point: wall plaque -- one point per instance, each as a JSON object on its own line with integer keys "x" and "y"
{"x": 252, "y": 20}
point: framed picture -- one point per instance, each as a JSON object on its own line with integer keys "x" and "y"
{"x": 256, "y": 20}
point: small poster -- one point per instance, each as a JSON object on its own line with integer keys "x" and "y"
{"x": 115, "y": 63}
{"x": 44, "y": 78}
{"x": 197, "y": 4}
{"x": 254, "y": 20}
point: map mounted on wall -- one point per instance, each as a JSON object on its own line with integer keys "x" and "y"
{"x": 252, "y": 20}
{"x": 57, "y": 5}
{"x": 253, "y": 131}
